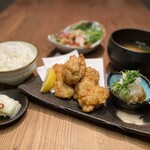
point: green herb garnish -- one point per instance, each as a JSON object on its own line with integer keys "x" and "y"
{"x": 121, "y": 88}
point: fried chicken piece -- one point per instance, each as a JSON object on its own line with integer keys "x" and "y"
{"x": 88, "y": 93}
{"x": 62, "y": 90}
{"x": 92, "y": 75}
{"x": 74, "y": 69}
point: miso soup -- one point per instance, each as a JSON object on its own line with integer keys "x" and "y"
{"x": 136, "y": 46}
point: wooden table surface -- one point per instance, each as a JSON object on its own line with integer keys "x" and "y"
{"x": 42, "y": 128}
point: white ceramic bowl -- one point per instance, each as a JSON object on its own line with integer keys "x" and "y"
{"x": 64, "y": 48}
{"x": 17, "y": 75}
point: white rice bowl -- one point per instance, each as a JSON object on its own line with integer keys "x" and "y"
{"x": 17, "y": 61}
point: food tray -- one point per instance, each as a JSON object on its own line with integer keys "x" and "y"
{"x": 106, "y": 114}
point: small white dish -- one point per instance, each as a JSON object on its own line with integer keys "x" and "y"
{"x": 65, "y": 48}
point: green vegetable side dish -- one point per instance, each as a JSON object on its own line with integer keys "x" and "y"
{"x": 92, "y": 31}
{"x": 128, "y": 87}
{"x": 83, "y": 35}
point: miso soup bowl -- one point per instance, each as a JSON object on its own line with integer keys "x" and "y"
{"x": 124, "y": 58}
{"x": 20, "y": 74}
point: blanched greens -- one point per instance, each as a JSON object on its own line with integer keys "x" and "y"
{"x": 92, "y": 31}
{"x": 121, "y": 88}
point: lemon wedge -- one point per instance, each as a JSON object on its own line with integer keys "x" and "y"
{"x": 49, "y": 81}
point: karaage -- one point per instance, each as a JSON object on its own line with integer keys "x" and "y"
{"x": 74, "y": 79}
{"x": 62, "y": 89}
{"x": 88, "y": 93}
{"x": 74, "y": 69}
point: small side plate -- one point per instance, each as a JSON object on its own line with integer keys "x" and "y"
{"x": 17, "y": 95}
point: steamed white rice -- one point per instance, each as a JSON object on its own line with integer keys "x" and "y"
{"x": 14, "y": 55}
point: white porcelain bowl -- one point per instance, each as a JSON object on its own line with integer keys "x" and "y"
{"x": 17, "y": 61}
{"x": 65, "y": 48}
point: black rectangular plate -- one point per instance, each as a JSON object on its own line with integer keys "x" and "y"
{"x": 106, "y": 114}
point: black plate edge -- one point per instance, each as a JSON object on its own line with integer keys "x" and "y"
{"x": 86, "y": 116}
